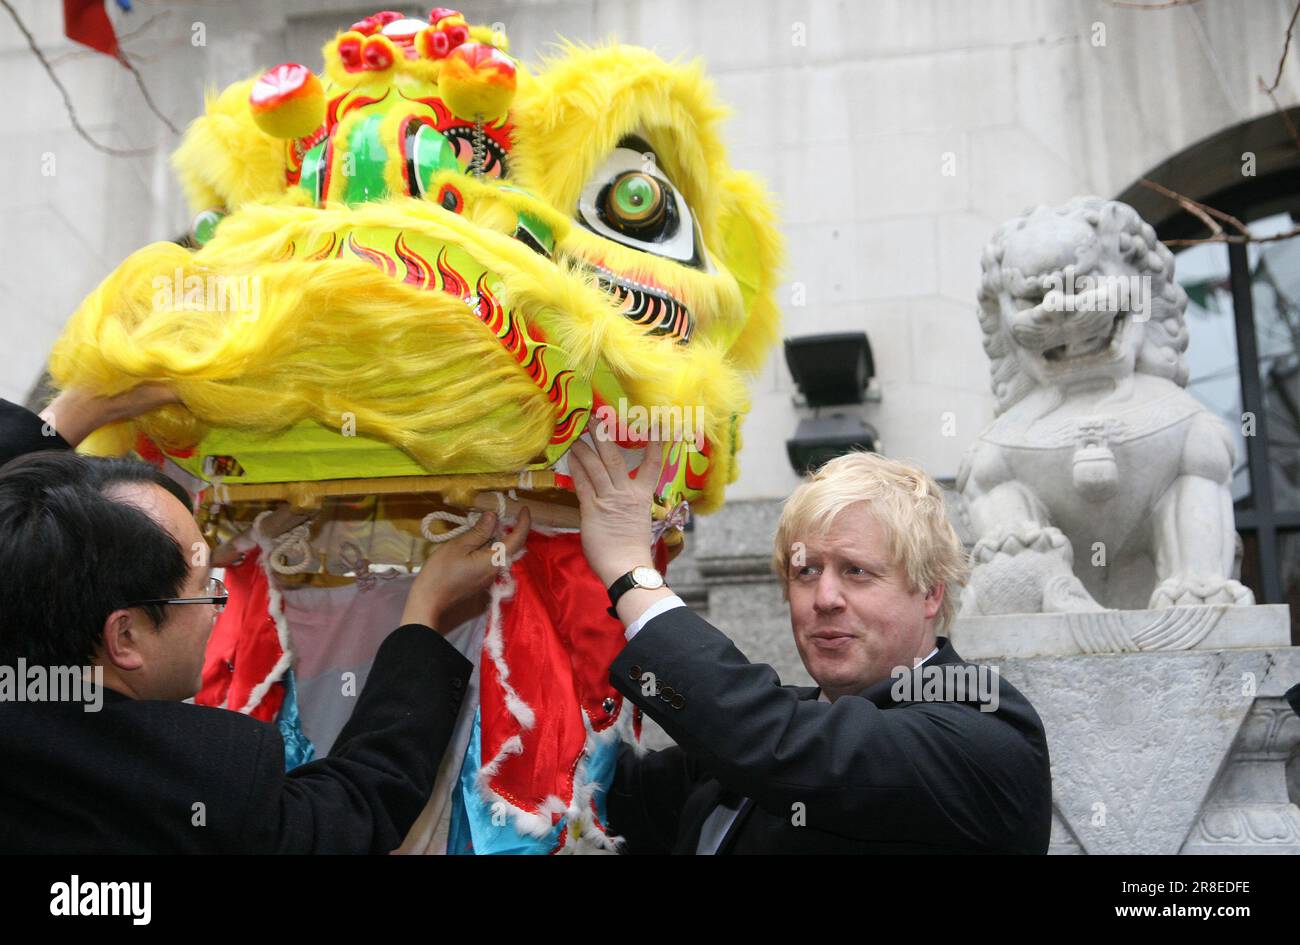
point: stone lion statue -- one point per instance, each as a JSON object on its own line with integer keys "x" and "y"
{"x": 1101, "y": 483}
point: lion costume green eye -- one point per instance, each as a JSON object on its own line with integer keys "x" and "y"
{"x": 635, "y": 203}
{"x": 630, "y": 200}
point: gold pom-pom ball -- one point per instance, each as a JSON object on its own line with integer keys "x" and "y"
{"x": 477, "y": 80}
{"x": 288, "y": 101}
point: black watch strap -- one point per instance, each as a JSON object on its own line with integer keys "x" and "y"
{"x": 650, "y": 580}
{"x": 617, "y": 590}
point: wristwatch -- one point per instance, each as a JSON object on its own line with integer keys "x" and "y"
{"x": 645, "y": 577}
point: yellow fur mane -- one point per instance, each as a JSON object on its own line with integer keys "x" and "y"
{"x": 338, "y": 336}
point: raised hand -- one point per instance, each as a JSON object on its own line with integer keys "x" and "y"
{"x": 460, "y": 570}
{"x": 615, "y": 508}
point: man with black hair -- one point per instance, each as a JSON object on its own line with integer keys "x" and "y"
{"x": 102, "y": 566}
{"x": 91, "y": 532}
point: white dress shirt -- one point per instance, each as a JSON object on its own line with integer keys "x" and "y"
{"x": 651, "y": 612}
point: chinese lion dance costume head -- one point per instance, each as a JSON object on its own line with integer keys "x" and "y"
{"x": 422, "y": 269}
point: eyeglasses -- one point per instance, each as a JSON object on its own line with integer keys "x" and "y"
{"x": 216, "y": 591}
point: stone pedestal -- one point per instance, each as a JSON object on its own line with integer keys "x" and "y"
{"x": 1176, "y": 741}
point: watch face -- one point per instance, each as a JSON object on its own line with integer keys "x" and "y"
{"x": 647, "y": 578}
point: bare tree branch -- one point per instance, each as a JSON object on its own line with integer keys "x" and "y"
{"x": 1206, "y": 214}
{"x": 81, "y": 52}
{"x": 144, "y": 92}
{"x": 1232, "y": 238}
{"x": 1157, "y": 5}
{"x": 67, "y": 98}
{"x": 1270, "y": 90}
{"x": 1286, "y": 47}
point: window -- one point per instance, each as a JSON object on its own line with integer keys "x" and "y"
{"x": 1243, "y": 321}
{"x": 1243, "y": 354}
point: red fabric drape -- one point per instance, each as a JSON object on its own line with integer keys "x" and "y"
{"x": 87, "y": 22}
{"x": 244, "y": 646}
{"x": 557, "y": 643}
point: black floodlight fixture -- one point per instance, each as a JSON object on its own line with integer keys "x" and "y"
{"x": 831, "y": 369}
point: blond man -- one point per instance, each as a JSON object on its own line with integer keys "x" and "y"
{"x": 902, "y": 747}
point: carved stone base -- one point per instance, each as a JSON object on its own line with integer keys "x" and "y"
{"x": 1168, "y": 751}
{"x": 1122, "y": 631}
{"x": 1249, "y": 810}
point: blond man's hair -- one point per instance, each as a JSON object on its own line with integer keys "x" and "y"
{"x": 906, "y": 502}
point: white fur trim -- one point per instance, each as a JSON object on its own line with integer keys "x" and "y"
{"x": 577, "y": 812}
{"x": 577, "y": 809}
{"x": 494, "y": 646}
{"x": 275, "y": 608}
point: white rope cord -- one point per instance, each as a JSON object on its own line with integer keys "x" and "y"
{"x": 294, "y": 541}
{"x": 463, "y": 522}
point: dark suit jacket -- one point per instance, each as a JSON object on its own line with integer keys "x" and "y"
{"x": 865, "y": 774}
{"x": 127, "y": 779}
{"x": 21, "y": 431}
